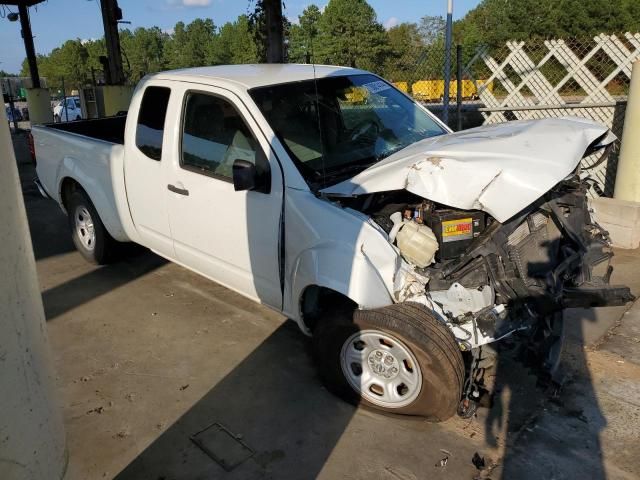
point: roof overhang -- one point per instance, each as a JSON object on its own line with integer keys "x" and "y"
{"x": 27, "y": 3}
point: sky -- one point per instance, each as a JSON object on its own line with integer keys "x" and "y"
{"x": 55, "y": 21}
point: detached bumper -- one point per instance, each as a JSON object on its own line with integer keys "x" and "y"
{"x": 588, "y": 296}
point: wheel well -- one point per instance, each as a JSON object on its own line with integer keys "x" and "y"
{"x": 316, "y": 301}
{"x": 68, "y": 186}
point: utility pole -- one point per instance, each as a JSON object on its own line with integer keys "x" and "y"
{"x": 275, "y": 31}
{"x": 111, "y": 14}
{"x": 447, "y": 61}
{"x": 628, "y": 174}
{"x": 459, "y": 86}
{"x": 27, "y": 36}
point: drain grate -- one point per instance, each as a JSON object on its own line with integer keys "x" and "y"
{"x": 226, "y": 448}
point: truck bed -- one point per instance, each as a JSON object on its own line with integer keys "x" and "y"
{"x": 89, "y": 153}
{"x": 110, "y": 129}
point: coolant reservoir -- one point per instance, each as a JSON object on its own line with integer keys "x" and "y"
{"x": 417, "y": 243}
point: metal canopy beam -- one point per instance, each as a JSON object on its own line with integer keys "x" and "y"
{"x": 18, "y": 3}
{"x": 27, "y": 36}
{"x": 111, "y": 13}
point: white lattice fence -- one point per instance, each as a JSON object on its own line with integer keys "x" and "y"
{"x": 541, "y": 79}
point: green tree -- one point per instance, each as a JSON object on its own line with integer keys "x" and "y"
{"x": 405, "y": 46}
{"x": 190, "y": 45}
{"x": 493, "y": 22}
{"x": 142, "y": 51}
{"x": 95, "y": 49}
{"x": 68, "y": 62}
{"x": 303, "y": 35}
{"x": 350, "y": 34}
{"x": 234, "y": 44}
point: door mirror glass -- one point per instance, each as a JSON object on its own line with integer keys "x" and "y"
{"x": 245, "y": 175}
{"x": 250, "y": 176}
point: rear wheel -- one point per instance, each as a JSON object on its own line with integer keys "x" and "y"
{"x": 398, "y": 359}
{"x": 87, "y": 230}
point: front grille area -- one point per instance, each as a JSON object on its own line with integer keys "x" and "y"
{"x": 532, "y": 248}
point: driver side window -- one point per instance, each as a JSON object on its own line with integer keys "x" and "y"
{"x": 214, "y": 135}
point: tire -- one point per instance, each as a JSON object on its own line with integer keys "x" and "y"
{"x": 89, "y": 235}
{"x": 408, "y": 333}
{"x": 78, "y": 118}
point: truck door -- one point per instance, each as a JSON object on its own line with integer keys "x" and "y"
{"x": 145, "y": 169}
{"x": 231, "y": 237}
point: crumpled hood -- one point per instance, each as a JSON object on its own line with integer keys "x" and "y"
{"x": 499, "y": 169}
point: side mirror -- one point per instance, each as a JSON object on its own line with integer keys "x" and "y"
{"x": 250, "y": 176}
{"x": 244, "y": 175}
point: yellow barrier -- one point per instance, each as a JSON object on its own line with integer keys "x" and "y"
{"x": 433, "y": 90}
{"x": 356, "y": 95}
{"x": 402, "y": 86}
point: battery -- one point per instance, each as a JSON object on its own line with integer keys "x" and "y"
{"x": 455, "y": 230}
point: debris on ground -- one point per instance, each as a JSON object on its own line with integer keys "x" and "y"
{"x": 478, "y": 461}
{"x": 184, "y": 387}
{"x": 130, "y": 396}
{"x": 97, "y": 410}
{"x": 122, "y": 434}
{"x": 443, "y": 461}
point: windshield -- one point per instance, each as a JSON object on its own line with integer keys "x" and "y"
{"x": 352, "y": 122}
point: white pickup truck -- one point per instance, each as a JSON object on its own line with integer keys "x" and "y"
{"x": 329, "y": 195}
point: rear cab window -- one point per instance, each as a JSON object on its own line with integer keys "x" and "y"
{"x": 151, "y": 119}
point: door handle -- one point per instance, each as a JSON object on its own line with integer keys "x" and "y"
{"x": 179, "y": 191}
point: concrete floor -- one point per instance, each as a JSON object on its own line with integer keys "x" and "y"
{"x": 148, "y": 354}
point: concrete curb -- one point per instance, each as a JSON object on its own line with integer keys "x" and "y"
{"x": 621, "y": 218}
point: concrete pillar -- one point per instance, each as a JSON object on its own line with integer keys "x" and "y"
{"x": 116, "y": 98}
{"x": 32, "y": 442}
{"x": 628, "y": 174}
{"x": 39, "y": 103}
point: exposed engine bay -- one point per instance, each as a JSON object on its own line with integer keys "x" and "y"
{"x": 488, "y": 280}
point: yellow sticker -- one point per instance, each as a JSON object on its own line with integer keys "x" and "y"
{"x": 454, "y": 230}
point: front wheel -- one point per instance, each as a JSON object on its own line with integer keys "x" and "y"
{"x": 87, "y": 230}
{"x": 398, "y": 359}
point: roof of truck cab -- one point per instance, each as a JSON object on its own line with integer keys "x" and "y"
{"x": 256, "y": 75}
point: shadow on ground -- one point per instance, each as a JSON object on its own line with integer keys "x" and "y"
{"x": 134, "y": 263}
{"x": 292, "y": 430}
{"x": 550, "y": 433}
